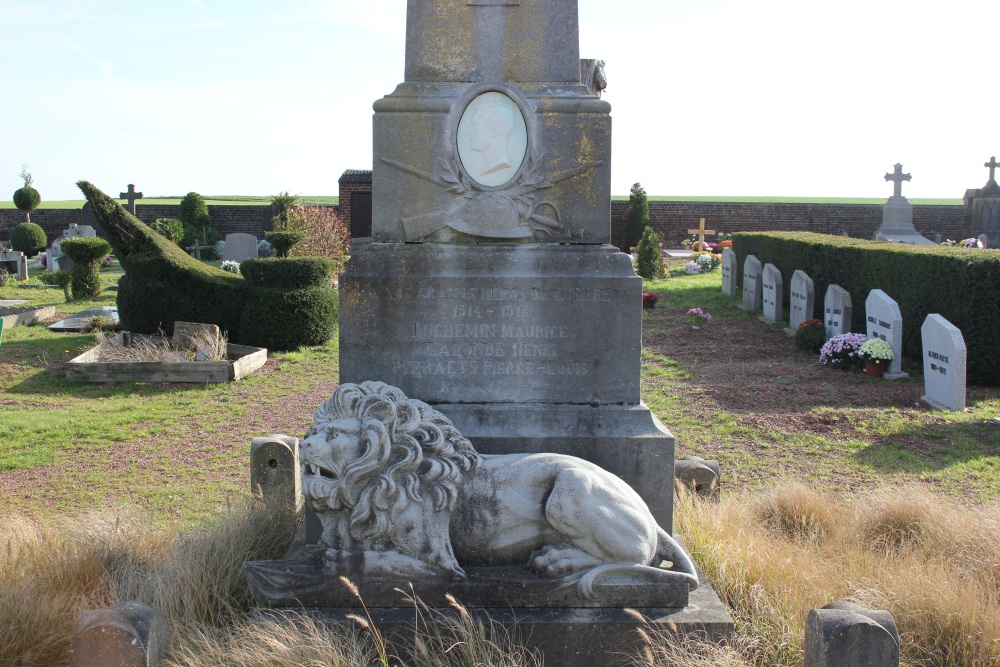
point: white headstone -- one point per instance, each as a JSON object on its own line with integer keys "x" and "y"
{"x": 883, "y": 320}
{"x": 14, "y": 262}
{"x": 239, "y": 247}
{"x": 729, "y": 273}
{"x": 837, "y": 311}
{"x": 79, "y": 231}
{"x": 752, "y": 297}
{"x": 773, "y": 294}
{"x": 984, "y": 239}
{"x": 801, "y": 300}
{"x": 945, "y": 358}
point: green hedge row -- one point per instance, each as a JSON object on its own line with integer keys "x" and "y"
{"x": 163, "y": 284}
{"x": 962, "y": 285}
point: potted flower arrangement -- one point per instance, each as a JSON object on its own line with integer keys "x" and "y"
{"x": 649, "y": 300}
{"x": 686, "y": 243}
{"x": 876, "y": 354}
{"x": 842, "y": 351}
{"x": 698, "y": 317}
{"x": 810, "y": 336}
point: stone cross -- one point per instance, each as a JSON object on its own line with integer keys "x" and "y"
{"x": 897, "y": 177}
{"x": 701, "y": 231}
{"x": 992, "y": 166}
{"x": 197, "y": 248}
{"x": 131, "y": 196}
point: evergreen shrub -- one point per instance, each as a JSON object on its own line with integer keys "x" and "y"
{"x": 961, "y": 284}
{"x": 193, "y": 210}
{"x": 650, "y": 262}
{"x": 27, "y": 199}
{"x": 29, "y": 238}
{"x": 169, "y": 228}
{"x": 87, "y": 255}
{"x": 290, "y": 318}
{"x": 636, "y": 217}
{"x": 288, "y": 272}
{"x": 283, "y": 241}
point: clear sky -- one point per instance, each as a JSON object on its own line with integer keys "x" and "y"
{"x": 709, "y": 97}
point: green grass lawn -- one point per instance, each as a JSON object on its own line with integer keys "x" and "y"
{"x": 797, "y": 200}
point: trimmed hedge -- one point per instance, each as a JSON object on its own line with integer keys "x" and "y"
{"x": 87, "y": 254}
{"x": 288, "y": 272}
{"x": 282, "y": 241}
{"x": 27, "y": 199}
{"x": 960, "y": 284}
{"x": 163, "y": 284}
{"x": 29, "y": 238}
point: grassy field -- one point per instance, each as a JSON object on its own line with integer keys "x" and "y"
{"x": 234, "y": 200}
{"x": 835, "y": 486}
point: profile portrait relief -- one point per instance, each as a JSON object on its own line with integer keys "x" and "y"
{"x": 492, "y": 139}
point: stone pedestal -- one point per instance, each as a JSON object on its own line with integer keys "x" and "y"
{"x": 527, "y": 348}
{"x": 897, "y": 223}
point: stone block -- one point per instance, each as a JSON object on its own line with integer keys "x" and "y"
{"x": 945, "y": 358}
{"x": 275, "y": 475}
{"x": 883, "y": 320}
{"x": 129, "y": 634}
{"x": 753, "y": 290}
{"x": 729, "y": 273}
{"x": 239, "y": 247}
{"x": 843, "y": 634}
{"x": 699, "y": 475}
{"x": 772, "y": 295}
{"x": 837, "y": 311}
{"x": 801, "y": 300}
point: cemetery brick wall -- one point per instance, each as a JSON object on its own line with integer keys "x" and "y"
{"x": 52, "y": 221}
{"x": 672, "y": 219}
{"x": 345, "y": 198}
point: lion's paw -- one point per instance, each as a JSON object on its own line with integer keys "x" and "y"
{"x": 552, "y": 561}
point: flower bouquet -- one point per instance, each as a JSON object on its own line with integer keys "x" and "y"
{"x": 698, "y": 317}
{"x": 876, "y": 354}
{"x": 649, "y": 300}
{"x": 842, "y": 351}
{"x": 230, "y": 266}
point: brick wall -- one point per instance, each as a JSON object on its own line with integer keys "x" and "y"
{"x": 52, "y": 221}
{"x": 672, "y": 219}
{"x": 345, "y": 197}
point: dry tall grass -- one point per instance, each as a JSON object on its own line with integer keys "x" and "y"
{"x": 931, "y": 562}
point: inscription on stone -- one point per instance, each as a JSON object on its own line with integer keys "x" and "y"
{"x": 944, "y": 363}
{"x": 837, "y": 311}
{"x": 885, "y": 321}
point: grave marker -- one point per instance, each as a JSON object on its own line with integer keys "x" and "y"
{"x": 15, "y": 263}
{"x": 837, "y": 311}
{"x": 701, "y": 231}
{"x": 945, "y": 358}
{"x": 897, "y": 214}
{"x": 772, "y": 294}
{"x": 844, "y": 634}
{"x": 752, "y": 288}
{"x": 729, "y": 274}
{"x": 275, "y": 475}
{"x": 801, "y": 300}
{"x": 131, "y": 196}
{"x": 129, "y": 634}
{"x": 239, "y": 247}
{"x": 883, "y": 320}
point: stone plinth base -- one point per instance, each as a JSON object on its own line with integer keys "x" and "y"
{"x": 565, "y": 637}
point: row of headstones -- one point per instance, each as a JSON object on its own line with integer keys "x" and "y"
{"x": 944, "y": 347}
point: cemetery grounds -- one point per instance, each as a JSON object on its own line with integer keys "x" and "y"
{"x": 835, "y": 486}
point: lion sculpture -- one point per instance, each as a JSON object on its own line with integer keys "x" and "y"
{"x": 401, "y": 493}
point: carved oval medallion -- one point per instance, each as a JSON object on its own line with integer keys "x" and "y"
{"x": 492, "y": 139}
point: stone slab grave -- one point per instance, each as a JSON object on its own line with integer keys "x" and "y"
{"x": 945, "y": 358}
{"x": 837, "y": 311}
{"x": 844, "y": 634}
{"x": 801, "y": 301}
{"x": 753, "y": 288}
{"x": 14, "y": 263}
{"x": 490, "y": 289}
{"x": 772, "y": 295}
{"x": 897, "y": 214}
{"x": 883, "y": 320}
{"x": 13, "y": 316}
{"x": 239, "y": 247}
{"x": 82, "y": 321}
{"x": 730, "y": 274}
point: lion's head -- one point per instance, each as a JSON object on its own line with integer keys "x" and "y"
{"x": 371, "y": 451}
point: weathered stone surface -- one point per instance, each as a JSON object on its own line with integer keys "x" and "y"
{"x": 493, "y": 324}
{"x": 945, "y": 357}
{"x": 883, "y": 320}
{"x": 699, "y": 475}
{"x": 460, "y": 508}
{"x": 772, "y": 294}
{"x": 204, "y": 339}
{"x": 239, "y": 247}
{"x": 753, "y": 289}
{"x": 55, "y": 260}
{"x": 801, "y": 300}
{"x": 729, "y": 273}
{"x": 14, "y": 263}
{"x": 843, "y": 634}
{"x": 275, "y": 474}
{"x": 129, "y": 634}
{"x": 837, "y": 311}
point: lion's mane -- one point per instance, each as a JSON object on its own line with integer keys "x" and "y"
{"x": 409, "y": 449}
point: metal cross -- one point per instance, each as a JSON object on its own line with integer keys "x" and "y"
{"x": 992, "y": 166}
{"x": 131, "y": 196}
{"x": 701, "y": 231}
{"x": 897, "y": 177}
